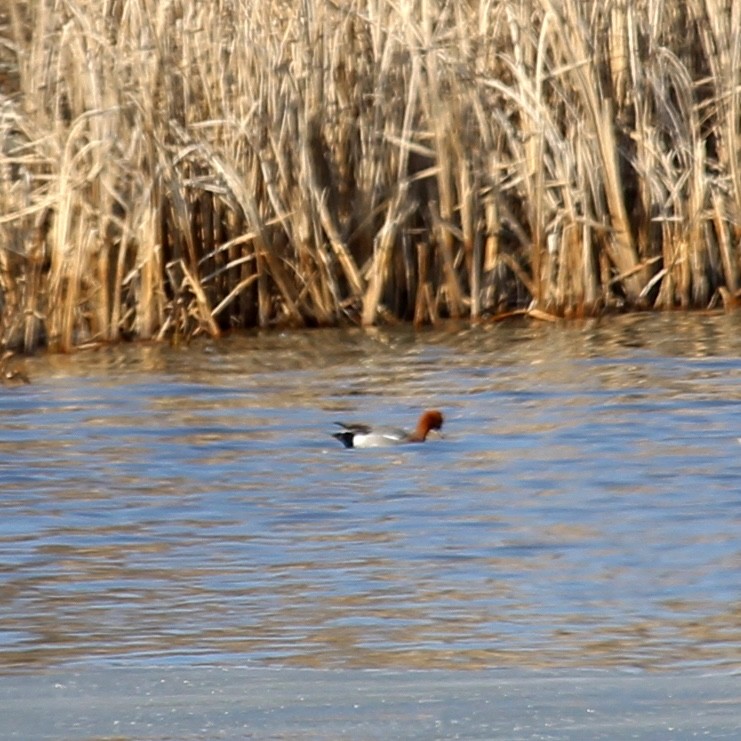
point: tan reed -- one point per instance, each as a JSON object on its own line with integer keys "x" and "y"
{"x": 173, "y": 168}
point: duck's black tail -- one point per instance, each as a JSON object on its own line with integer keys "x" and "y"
{"x": 345, "y": 437}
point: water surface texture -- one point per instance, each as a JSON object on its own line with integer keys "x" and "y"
{"x": 188, "y": 505}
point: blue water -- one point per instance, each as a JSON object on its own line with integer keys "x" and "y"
{"x": 583, "y": 508}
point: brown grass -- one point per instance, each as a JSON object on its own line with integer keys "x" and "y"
{"x": 170, "y": 168}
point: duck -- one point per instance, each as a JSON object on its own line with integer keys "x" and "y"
{"x": 365, "y": 436}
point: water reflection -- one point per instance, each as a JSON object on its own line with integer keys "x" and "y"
{"x": 166, "y": 505}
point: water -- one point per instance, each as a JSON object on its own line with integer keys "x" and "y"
{"x": 187, "y": 506}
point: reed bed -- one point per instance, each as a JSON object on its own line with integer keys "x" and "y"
{"x": 170, "y": 167}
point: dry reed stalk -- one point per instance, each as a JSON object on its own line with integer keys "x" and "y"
{"x": 34, "y": 290}
{"x": 263, "y": 252}
{"x": 645, "y": 155}
{"x": 618, "y": 20}
{"x": 725, "y": 244}
{"x": 442, "y": 119}
{"x": 719, "y": 24}
{"x": 318, "y": 176}
{"x": 326, "y": 218}
{"x": 399, "y": 208}
{"x": 386, "y": 239}
{"x": 425, "y": 308}
{"x": 528, "y": 57}
{"x": 205, "y": 315}
{"x": 145, "y": 281}
{"x": 588, "y": 264}
{"x": 600, "y": 117}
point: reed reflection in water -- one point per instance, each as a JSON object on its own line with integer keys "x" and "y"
{"x": 582, "y": 510}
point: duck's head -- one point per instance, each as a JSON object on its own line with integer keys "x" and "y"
{"x": 430, "y": 420}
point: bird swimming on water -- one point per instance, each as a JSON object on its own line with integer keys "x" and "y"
{"x": 366, "y": 436}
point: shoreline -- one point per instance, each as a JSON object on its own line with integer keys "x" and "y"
{"x": 209, "y": 702}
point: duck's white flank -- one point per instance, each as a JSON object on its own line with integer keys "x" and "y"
{"x": 365, "y": 436}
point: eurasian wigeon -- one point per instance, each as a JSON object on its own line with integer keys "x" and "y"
{"x": 365, "y": 436}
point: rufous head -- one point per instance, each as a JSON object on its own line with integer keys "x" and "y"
{"x": 430, "y": 420}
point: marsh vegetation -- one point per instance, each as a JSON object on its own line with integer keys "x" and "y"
{"x": 169, "y": 167}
